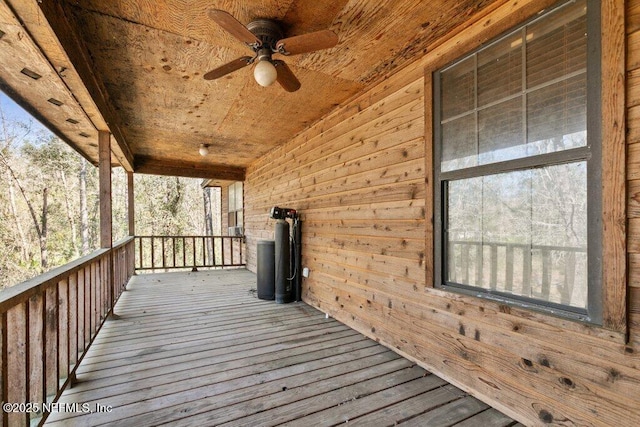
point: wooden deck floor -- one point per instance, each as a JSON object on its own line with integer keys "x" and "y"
{"x": 200, "y": 349}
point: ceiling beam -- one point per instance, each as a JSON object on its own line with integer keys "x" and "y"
{"x": 154, "y": 166}
{"x": 60, "y": 21}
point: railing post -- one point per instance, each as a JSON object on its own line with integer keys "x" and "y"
{"x": 106, "y": 230}
{"x": 131, "y": 204}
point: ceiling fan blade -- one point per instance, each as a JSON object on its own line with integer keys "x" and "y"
{"x": 286, "y": 78}
{"x": 233, "y": 26}
{"x": 307, "y": 42}
{"x": 229, "y": 67}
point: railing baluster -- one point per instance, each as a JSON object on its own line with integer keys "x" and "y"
{"x": 102, "y": 289}
{"x": 211, "y": 256}
{"x": 222, "y": 250}
{"x": 51, "y": 343}
{"x": 81, "y": 313}
{"x": 4, "y": 376}
{"x": 87, "y": 305}
{"x": 527, "y": 254}
{"x": 184, "y": 253}
{"x": 479, "y": 264}
{"x": 546, "y": 274}
{"x": 36, "y": 348}
{"x": 73, "y": 319}
{"x": 63, "y": 331}
{"x": 95, "y": 280}
{"x": 193, "y": 244}
{"x": 164, "y": 258}
{"x": 16, "y": 362}
{"x": 215, "y": 257}
{"x": 46, "y": 329}
{"x": 569, "y": 277}
{"x": 509, "y": 267}
{"x": 493, "y": 283}
{"x": 204, "y": 252}
{"x": 173, "y": 245}
{"x": 464, "y": 262}
{"x": 451, "y": 262}
{"x": 153, "y": 253}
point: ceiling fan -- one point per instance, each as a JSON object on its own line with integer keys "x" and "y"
{"x": 265, "y": 38}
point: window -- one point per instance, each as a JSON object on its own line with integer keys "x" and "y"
{"x": 235, "y": 208}
{"x": 517, "y": 167}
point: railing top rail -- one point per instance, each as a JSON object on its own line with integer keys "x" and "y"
{"x": 10, "y": 297}
{"x": 520, "y": 245}
{"x": 123, "y": 242}
{"x": 188, "y": 237}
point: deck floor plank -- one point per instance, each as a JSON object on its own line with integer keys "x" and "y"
{"x": 359, "y": 405}
{"x": 401, "y": 411}
{"x": 448, "y": 415}
{"x": 489, "y": 418}
{"x": 192, "y": 349}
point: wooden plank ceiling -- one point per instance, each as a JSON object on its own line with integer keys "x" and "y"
{"x": 135, "y": 67}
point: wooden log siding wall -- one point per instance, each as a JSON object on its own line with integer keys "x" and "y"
{"x": 358, "y": 178}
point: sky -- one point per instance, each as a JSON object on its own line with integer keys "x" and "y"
{"x": 14, "y": 112}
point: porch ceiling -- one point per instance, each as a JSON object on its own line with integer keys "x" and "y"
{"x": 135, "y": 68}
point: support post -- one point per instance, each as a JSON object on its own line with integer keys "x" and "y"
{"x": 104, "y": 157}
{"x": 106, "y": 231}
{"x": 131, "y": 204}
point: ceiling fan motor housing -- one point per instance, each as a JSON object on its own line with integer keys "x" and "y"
{"x": 269, "y": 32}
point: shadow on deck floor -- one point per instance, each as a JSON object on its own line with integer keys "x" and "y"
{"x": 200, "y": 349}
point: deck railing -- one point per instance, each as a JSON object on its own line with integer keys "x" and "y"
{"x": 179, "y": 252}
{"x": 47, "y": 324}
{"x": 544, "y": 272}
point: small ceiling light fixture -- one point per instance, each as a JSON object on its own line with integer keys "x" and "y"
{"x": 265, "y": 72}
{"x": 204, "y": 149}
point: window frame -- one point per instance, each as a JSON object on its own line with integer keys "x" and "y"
{"x": 591, "y": 154}
{"x": 235, "y": 194}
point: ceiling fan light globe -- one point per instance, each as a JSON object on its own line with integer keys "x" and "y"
{"x": 265, "y": 73}
{"x": 203, "y": 150}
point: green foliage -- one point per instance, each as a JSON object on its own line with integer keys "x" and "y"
{"x": 31, "y": 163}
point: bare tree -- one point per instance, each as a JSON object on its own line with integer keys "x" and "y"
{"x": 84, "y": 213}
{"x": 208, "y": 222}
